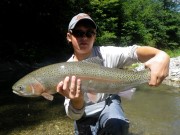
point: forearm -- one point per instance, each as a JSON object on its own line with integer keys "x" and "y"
{"x": 70, "y": 88}
{"x": 71, "y": 112}
{"x": 145, "y": 53}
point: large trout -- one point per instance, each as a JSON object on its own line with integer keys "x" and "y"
{"x": 95, "y": 78}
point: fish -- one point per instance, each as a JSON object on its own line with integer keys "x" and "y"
{"x": 95, "y": 78}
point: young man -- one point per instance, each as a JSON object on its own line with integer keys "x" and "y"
{"x": 102, "y": 113}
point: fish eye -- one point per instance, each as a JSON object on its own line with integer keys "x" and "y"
{"x": 21, "y": 87}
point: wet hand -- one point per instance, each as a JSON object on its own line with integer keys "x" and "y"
{"x": 71, "y": 88}
{"x": 159, "y": 66}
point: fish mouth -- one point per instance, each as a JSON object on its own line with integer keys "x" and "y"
{"x": 22, "y": 94}
{"x": 16, "y": 92}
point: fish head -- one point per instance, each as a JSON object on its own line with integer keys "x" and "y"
{"x": 28, "y": 86}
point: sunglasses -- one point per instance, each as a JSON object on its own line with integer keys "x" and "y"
{"x": 80, "y": 33}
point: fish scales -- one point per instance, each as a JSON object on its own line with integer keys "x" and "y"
{"x": 95, "y": 77}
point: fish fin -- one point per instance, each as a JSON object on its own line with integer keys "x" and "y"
{"x": 127, "y": 94}
{"x": 94, "y": 60}
{"x": 47, "y": 96}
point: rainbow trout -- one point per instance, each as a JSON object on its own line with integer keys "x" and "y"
{"x": 95, "y": 78}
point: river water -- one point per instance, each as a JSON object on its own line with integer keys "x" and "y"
{"x": 151, "y": 111}
{"x": 154, "y": 111}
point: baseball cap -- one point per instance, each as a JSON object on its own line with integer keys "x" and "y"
{"x": 79, "y": 17}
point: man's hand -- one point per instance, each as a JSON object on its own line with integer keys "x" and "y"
{"x": 159, "y": 66}
{"x": 71, "y": 88}
{"x": 157, "y": 61}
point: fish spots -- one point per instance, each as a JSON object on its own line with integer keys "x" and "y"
{"x": 92, "y": 79}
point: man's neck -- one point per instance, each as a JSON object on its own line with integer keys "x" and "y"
{"x": 79, "y": 57}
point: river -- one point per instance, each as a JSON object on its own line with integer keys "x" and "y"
{"x": 151, "y": 111}
{"x": 154, "y": 111}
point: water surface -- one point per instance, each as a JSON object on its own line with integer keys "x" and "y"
{"x": 152, "y": 111}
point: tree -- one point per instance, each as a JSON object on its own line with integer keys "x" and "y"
{"x": 107, "y": 14}
{"x": 127, "y": 22}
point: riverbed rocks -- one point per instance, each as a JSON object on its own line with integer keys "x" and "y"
{"x": 174, "y": 73}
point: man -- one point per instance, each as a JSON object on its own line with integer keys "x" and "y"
{"x": 99, "y": 113}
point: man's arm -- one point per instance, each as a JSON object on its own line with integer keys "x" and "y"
{"x": 157, "y": 61}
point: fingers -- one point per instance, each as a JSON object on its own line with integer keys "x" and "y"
{"x": 59, "y": 87}
{"x": 156, "y": 79}
{"x": 63, "y": 87}
{"x": 66, "y": 83}
{"x": 75, "y": 87}
{"x": 78, "y": 91}
{"x": 159, "y": 71}
{"x": 70, "y": 87}
{"x": 153, "y": 81}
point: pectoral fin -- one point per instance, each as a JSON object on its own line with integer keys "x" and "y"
{"x": 127, "y": 94}
{"x": 47, "y": 96}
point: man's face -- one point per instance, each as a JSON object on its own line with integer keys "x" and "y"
{"x": 82, "y": 39}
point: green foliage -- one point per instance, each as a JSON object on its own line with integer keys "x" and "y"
{"x": 172, "y": 30}
{"x": 150, "y": 22}
{"x": 37, "y": 29}
{"x": 107, "y": 14}
{"x": 106, "y": 38}
{"x": 174, "y": 52}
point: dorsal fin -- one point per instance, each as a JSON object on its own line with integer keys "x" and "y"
{"x": 94, "y": 60}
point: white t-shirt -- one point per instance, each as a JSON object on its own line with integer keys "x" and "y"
{"x": 113, "y": 57}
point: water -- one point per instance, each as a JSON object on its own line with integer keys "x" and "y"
{"x": 152, "y": 111}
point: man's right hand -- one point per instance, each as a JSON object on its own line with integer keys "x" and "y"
{"x": 71, "y": 88}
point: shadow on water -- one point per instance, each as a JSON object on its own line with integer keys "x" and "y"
{"x": 20, "y": 113}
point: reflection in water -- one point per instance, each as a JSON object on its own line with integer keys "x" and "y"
{"x": 152, "y": 111}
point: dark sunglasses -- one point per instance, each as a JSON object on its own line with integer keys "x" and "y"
{"x": 80, "y": 33}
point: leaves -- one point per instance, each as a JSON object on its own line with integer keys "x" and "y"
{"x": 149, "y": 22}
{"x": 38, "y": 28}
